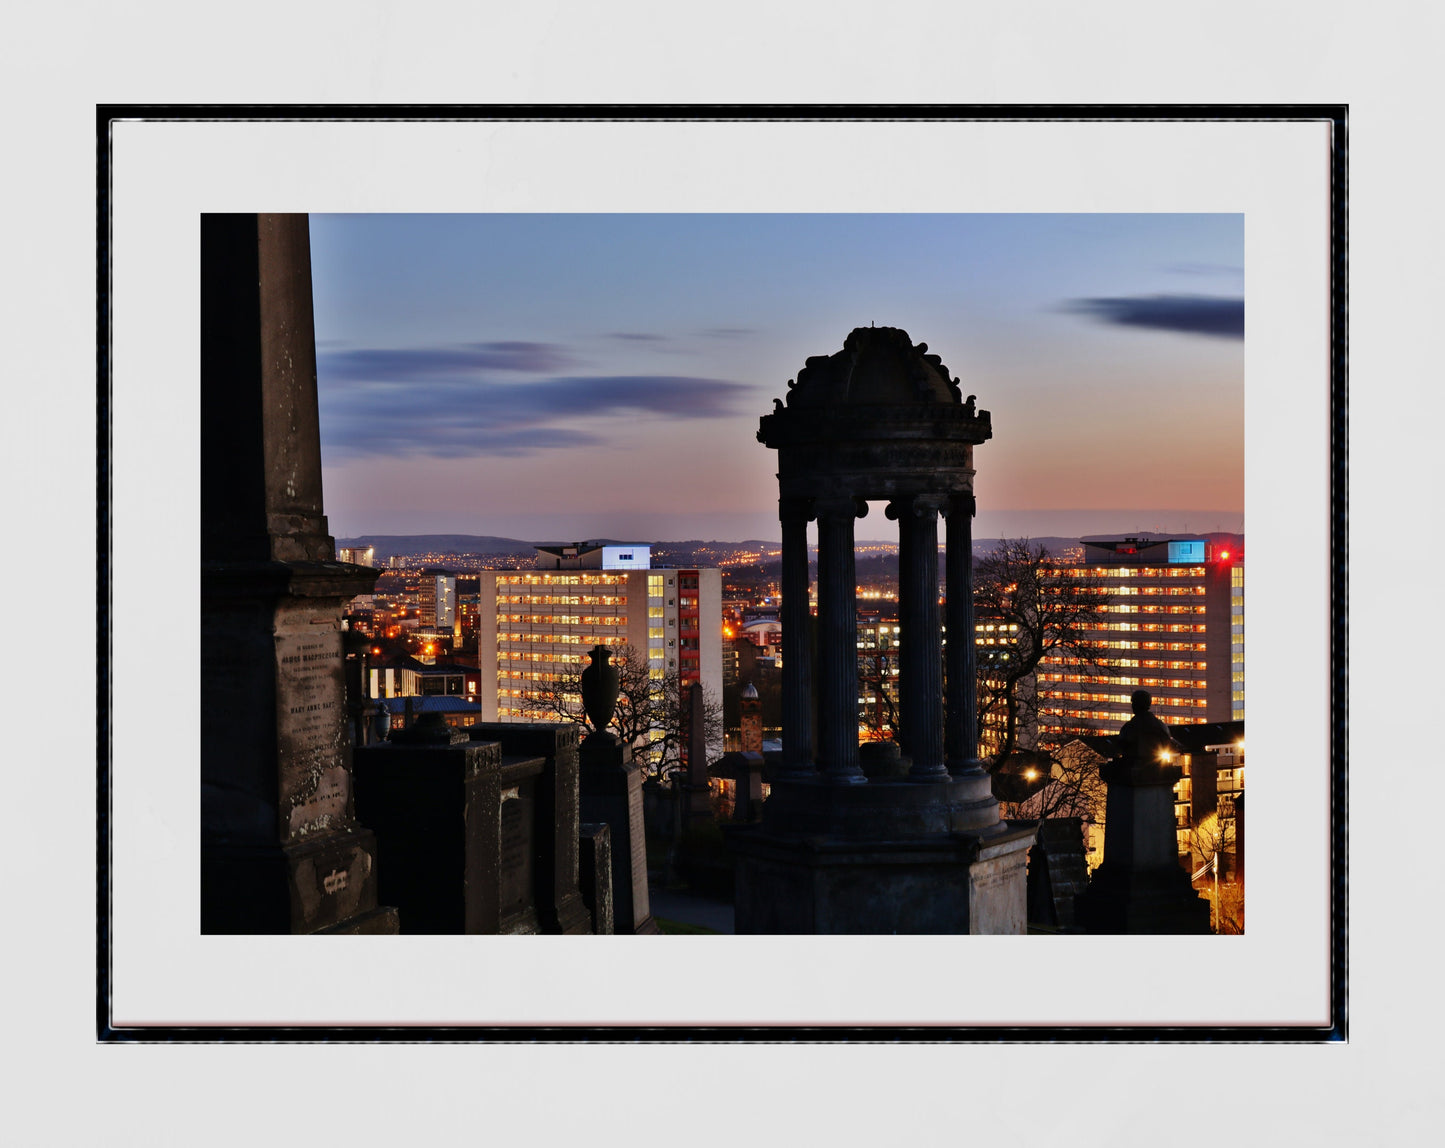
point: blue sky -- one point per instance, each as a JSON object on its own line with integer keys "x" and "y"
{"x": 571, "y": 376}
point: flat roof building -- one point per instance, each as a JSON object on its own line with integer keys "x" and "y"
{"x": 1173, "y": 625}
{"x": 534, "y": 626}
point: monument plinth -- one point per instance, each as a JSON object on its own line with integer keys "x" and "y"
{"x": 1140, "y": 887}
{"x": 610, "y": 788}
{"x": 847, "y": 844}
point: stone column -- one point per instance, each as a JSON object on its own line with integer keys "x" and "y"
{"x": 961, "y": 728}
{"x": 837, "y": 640}
{"x": 921, "y": 662}
{"x": 797, "y": 657}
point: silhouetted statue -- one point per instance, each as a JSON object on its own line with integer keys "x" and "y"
{"x": 1144, "y": 737}
{"x": 970, "y": 407}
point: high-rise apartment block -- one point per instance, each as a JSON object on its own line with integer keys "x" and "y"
{"x": 536, "y": 625}
{"x": 437, "y": 600}
{"x": 1173, "y": 624}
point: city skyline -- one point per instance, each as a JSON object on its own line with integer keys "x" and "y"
{"x": 568, "y": 376}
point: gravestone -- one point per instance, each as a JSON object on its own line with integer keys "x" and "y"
{"x": 1058, "y": 872}
{"x": 281, "y": 848}
{"x": 596, "y": 874}
{"x": 560, "y": 904}
{"x": 696, "y": 790}
{"x": 455, "y": 822}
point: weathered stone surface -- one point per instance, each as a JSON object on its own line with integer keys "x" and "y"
{"x": 949, "y": 884}
{"x": 281, "y": 850}
{"x": 456, "y": 826}
{"x": 596, "y": 870}
{"x": 559, "y": 901}
{"x": 1058, "y": 872}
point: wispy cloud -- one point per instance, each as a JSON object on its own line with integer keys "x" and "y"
{"x": 1217, "y": 316}
{"x": 380, "y": 364}
{"x": 463, "y": 418}
{"x": 1231, "y": 270}
{"x": 727, "y": 332}
{"x": 637, "y": 337}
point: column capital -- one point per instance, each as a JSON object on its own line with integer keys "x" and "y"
{"x": 961, "y": 503}
{"x": 840, "y": 507}
{"x": 917, "y": 506}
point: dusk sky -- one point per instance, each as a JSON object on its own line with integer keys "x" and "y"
{"x": 551, "y": 377}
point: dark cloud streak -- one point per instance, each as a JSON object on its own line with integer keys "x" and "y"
{"x": 1215, "y": 316}
{"x": 465, "y": 417}
{"x": 379, "y": 364}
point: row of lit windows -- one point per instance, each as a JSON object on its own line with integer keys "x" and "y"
{"x": 561, "y": 599}
{"x": 563, "y": 619}
{"x": 550, "y": 639}
{"x": 531, "y": 656}
{"x": 1120, "y": 699}
{"x": 524, "y": 713}
{"x": 562, "y": 579}
{"x": 1146, "y": 663}
{"x": 1145, "y": 627}
{"x": 1126, "y": 591}
{"x": 1163, "y": 683}
{"x": 1129, "y": 608}
{"x": 1071, "y": 723}
{"x": 1136, "y": 571}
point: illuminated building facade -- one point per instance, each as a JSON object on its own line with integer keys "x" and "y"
{"x": 357, "y": 555}
{"x": 438, "y": 600}
{"x": 880, "y": 639}
{"x": 534, "y": 626}
{"x": 1173, "y": 624}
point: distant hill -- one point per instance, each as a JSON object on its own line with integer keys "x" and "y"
{"x": 694, "y": 551}
{"x": 388, "y": 544}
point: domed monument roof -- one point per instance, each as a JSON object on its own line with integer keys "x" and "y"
{"x": 878, "y": 419}
{"x": 878, "y": 366}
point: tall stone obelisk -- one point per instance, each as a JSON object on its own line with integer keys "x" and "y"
{"x": 281, "y": 850}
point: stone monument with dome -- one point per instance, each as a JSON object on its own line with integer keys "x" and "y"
{"x": 920, "y": 849}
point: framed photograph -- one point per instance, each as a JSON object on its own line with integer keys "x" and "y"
{"x": 791, "y": 226}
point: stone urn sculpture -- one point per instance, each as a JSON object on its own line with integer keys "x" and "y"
{"x": 601, "y": 683}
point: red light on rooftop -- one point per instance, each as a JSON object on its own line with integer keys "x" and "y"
{"x": 1224, "y": 554}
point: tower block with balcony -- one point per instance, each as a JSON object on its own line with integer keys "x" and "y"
{"x": 920, "y": 849}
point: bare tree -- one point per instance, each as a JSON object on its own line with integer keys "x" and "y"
{"x": 651, "y": 710}
{"x": 1060, "y": 779}
{"x": 1039, "y": 611}
{"x": 878, "y": 681}
{"x": 1211, "y": 852}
